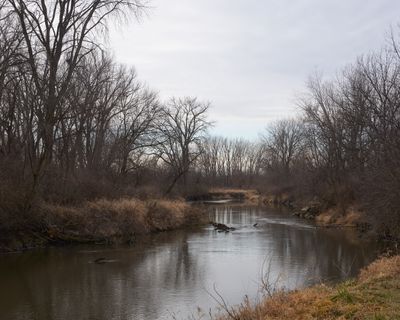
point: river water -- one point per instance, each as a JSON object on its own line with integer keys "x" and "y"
{"x": 171, "y": 275}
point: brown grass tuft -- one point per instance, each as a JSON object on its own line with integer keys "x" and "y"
{"x": 382, "y": 268}
{"x": 335, "y": 217}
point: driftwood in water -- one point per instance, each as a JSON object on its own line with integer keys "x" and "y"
{"x": 100, "y": 260}
{"x": 222, "y": 227}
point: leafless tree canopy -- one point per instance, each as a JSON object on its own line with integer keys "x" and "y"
{"x": 284, "y": 141}
{"x": 182, "y": 126}
{"x": 75, "y": 125}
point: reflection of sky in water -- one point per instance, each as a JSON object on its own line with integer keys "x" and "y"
{"x": 172, "y": 272}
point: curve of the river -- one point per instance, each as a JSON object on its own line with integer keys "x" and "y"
{"x": 170, "y": 275}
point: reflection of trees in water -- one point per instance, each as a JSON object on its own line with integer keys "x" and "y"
{"x": 143, "y": 280}
{"x": 185, "y": 269}
{"x": 171, "y": 268}
{"x": 234, "y": 215}
{"x": 303, "y": 255}
{"x": 63, "y": 284}
{"x": 318, "y": 254}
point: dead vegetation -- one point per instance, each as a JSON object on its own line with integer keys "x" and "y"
{"x": 382, "y": 268}
{"x": 100, "y": 221}
{"x": 374, "y": 295}
{"x": 76, "y": 125}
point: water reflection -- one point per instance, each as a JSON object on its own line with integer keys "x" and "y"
{"x": 171, "y": 273}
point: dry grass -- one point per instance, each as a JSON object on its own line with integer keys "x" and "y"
{"x": 375, "y": 295}
{"x": 248, "y": 195}
{"x": 335, "y": 217}
{"x": 382, "y": 268}
{"x": 114, "y": 220}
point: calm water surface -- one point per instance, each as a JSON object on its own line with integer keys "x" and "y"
{"x": 171, "y": 274}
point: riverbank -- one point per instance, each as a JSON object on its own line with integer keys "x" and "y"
{"x": 100, "y": 222}
{"x": 350, "y": 215}
{"x": 323, "y": 215}
{"x": 375, "y": 294}
{"x": 246, "y": 196}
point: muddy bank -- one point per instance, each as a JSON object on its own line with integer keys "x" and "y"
{"x": 99, "y": 222}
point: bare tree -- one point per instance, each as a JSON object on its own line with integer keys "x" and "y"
{"x": 136, "y": 127}
{"x": 283, "y": 142}
{"x": 56, "y": 36}
{"x": 182, "y": 129}
{"x": 229, "y": 162}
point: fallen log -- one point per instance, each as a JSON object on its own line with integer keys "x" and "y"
{"x": 221, "y": 227}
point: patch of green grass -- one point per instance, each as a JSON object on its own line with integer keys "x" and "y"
{"x": 343, "y": 295}
{"x": 379, "y": 317}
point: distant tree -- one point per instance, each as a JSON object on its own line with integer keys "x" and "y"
{"x": 283, "y": 142}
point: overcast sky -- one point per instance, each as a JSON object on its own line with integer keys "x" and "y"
{"x": 249, "y": 58}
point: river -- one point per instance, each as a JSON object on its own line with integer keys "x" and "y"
{"x": 170, "y": 275}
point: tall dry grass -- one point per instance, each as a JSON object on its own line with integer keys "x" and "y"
{"x": 100, "y": 221}
{"x": 116, "y": 220}
{"x": 382, "y": 268}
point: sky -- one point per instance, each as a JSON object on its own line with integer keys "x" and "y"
{"x": 249, "y": 58}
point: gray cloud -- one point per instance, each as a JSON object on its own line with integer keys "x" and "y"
{"x": 248, "y": 57}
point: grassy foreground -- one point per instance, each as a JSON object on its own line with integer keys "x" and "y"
{"x": 101, "y": 221}
{"x": 374, "y": 295}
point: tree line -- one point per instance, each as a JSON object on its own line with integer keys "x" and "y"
{"x": 76, "y": 125}
{"x": 343, "y": 148}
